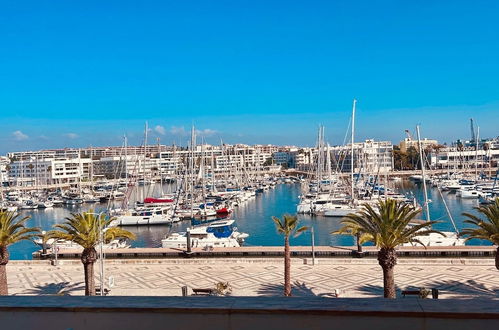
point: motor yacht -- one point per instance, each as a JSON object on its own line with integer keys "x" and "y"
{"x": 215, "y": 234}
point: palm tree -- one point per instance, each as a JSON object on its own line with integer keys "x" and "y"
{"x": 288, "y": 227}
{"x": 84, "y": 229}
{"x": 12, "y": 230}
{"x": 387, "y": 226}
{"x": 356, "y": 232}
{"x": 487, "y": 229}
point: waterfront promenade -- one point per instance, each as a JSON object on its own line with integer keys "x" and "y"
{"x": 347, "y": 277}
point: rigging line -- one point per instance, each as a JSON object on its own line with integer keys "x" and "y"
{"x": 443, "y": 200}
{"x": 338, "y": 167}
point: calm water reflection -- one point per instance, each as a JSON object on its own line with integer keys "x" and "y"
{"x": 254, "y": 217}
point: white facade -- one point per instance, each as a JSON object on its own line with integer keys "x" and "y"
{"x": 43, "y": 167}
{"x": 34, "y": 172}
{"x": 4, "y": 172}
{"x": 369, "y": 157}
{"x": 455, "y": 158}
{"x": 409, "y": 142}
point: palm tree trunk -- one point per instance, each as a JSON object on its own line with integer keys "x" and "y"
{"x": 4, "y": 259}
{"x": 287, "y": 267}
{"x": 387, "y": 258}
{"x": 88, "y": 258}
{"x": 497, "y": 258}
{"x": 359, "y": 246}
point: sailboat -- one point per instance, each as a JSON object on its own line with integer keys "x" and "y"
{"x": 434, "y": 239}
{"x": 142, "y": 215}
{"x": 347, "y": 207}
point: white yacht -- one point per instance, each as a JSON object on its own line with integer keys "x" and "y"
{"x": 8, "y": 207}
{"x": 221, "y": 233}
{"x": 28, "y": 205}
{"x": 90, "y": 198}
{"x": 339, "y": 210}
{"x": 64, "y": 244}
{"x": 468, "y": 193}
{"x": 145, "y": 216}
{"x": 72, "y": 200}
{"x": 434, "y": 239}
{"x": 55, "y": 200}
{"x": 45, "y": 204}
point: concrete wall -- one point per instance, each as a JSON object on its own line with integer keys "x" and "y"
{"x": 42, "y": 312}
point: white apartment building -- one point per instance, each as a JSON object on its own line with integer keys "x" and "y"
{"x": 32, "y": 172}
{"x": 43, "y": 154}
{"x": 409, "y": 142}
{"x": 70, "y": 165}
{"x": 458, "y": 158}
{"x": 4, "y": 170}
{"x": 369, "y": 157}
{"x": 121, "y": 166}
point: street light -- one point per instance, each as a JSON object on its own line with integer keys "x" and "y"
{"x": 101, "y": 250}
{"x": 44, "y": 244}
{"x": 313, "y": 245}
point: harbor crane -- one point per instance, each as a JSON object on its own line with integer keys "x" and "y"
{"x": 409, "y": 135}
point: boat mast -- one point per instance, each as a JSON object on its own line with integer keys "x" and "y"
{"x": 212, "y": 170}
{"x": 160, "y": 168}
{"x": 423, "y": 174}
{"x": 318, "y": 159}
{"x": 193, "y": 138}
{"x": 201, "y": 171}
{"x": 80, "y": 173}
{"x": 1, "y": 186}
{"x": 476, "y": 153}
{"x": 328, "y": 164}
{"x": 144, "y": 164}
{"x": 126, "y": 159}
{"x": 352, "y": 151}
{"x": 91, "y": 170}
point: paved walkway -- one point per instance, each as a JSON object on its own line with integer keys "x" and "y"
{"x": 251, "y": 277}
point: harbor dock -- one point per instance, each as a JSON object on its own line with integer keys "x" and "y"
{"x": 278, "y": 251}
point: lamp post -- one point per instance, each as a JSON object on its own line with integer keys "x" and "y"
{"x": 55, "y": 248}
{"x": 188, "y": 241}
{"x": 101, "y": 250}
{"x": 313, "y": 245}
{"x": 44, "y": 244}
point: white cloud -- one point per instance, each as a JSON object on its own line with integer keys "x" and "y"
{"x": 19, "y": 136}
{"x": 206, "y": 132}
{"x": 181, "y": 131}
{"x": 177, "y": 130}
{"x": 160, "y": 130}
{"x": 71, "y": 136}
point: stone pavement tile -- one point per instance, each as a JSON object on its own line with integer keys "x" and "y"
{"x": 252, "y": 278}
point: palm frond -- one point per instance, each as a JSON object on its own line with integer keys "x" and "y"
{"x": 486, "y": 228}
{"x": 288, "y": 226}
{"x": 85, "y": 229}
{"x": 13, "y": 229}
{"x": 386, "y": 224}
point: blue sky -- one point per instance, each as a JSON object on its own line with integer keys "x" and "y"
{"x": 80, "y": 73}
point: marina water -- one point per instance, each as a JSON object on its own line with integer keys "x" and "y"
{"x": 254, "y": 217}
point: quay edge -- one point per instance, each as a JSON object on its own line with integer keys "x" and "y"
{"x": 320, "y": 252}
